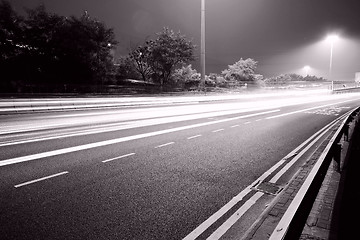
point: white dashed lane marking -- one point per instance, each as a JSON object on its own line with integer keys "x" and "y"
{"x": 40, "y": 179}
{"x": 218, "y": 130}
{"x": 121, "y": 140}
{"x": 115, "y": 158}
{"x": 196, "y": 136}
{"x": 165, "y": 144}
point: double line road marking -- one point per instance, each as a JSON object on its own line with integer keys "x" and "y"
{"x": 220, "y": 231}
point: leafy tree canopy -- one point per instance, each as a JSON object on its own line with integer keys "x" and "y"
{"x": 11, "y": 29}
{"x": 126, "y": 68}
{"x": 54, "y": 49}
{"x": 186, "y": 74}
{"x": 242, "y": 70}
{"x": 159, "y": 58}
{"x": 141, "y": 57}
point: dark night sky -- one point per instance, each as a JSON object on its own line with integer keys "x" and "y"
{"x": 282, "y": 35}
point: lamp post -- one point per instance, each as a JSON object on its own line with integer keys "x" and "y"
{"x": 202, "y": 45}
{"x": 331, "y": 39}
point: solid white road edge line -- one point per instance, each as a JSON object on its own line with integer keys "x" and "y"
{"x": 289, "y": 164}
{"x": 235, "y": 217}
{"x": 40, "y": 179}
{"x": 213, "y": 218}
{"x": 283, "y": 225}
{"x": 119, "y": 140}
{"x": 238, "y": 214}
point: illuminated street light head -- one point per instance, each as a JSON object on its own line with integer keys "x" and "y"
{"x": 307, "y": 69}
{"x": 332, "y": 38}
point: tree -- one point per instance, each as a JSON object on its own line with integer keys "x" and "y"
{"x": 11, "y": 46}
{"x": 11, "y": 31}
{"x": 52, "y": 49}
{"x": 42, "y": 29}
{"x": 141, "y": 58}
{"x": 166, "y": 52}
{"x": 313, "y": 79}
{"x": 295, "y": 77}
{"x": 127, "y": 69}
{"x": 186, "y": 76}
{"x": 280, "y": 80}
{"x": 88, "y": 44}
{"x": 241, "y": 71}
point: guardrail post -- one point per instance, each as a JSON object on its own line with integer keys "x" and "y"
{"x": 337, "y": 155}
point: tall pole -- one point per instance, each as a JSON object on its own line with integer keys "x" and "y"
{"x": 202, "y": 44}
{"x": 331, "y": 38}
{"x": 330, "y": 68}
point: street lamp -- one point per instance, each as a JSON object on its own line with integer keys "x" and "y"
{"x": 332, "y": 39}
{"x": 202, "y": 44}
{"x": 306, "y": 69}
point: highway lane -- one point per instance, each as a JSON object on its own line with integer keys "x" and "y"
{"x": 160, "y": 186}
{"x": 12, "y": 124}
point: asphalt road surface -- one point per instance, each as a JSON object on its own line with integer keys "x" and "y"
{"x": 145, "y": 173}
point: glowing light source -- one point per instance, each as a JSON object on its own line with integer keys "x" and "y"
{"x": 307, "y": 69}
{"x": 332, "y": 38}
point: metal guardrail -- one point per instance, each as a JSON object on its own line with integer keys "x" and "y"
{"x": 23, "y": 105}
{"x": 35, "y": 105}
{"x": 293, "y": 220}
{"x": 346, "y": 90}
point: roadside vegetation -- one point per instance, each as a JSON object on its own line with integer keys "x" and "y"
{"x": 43, "y": 52}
